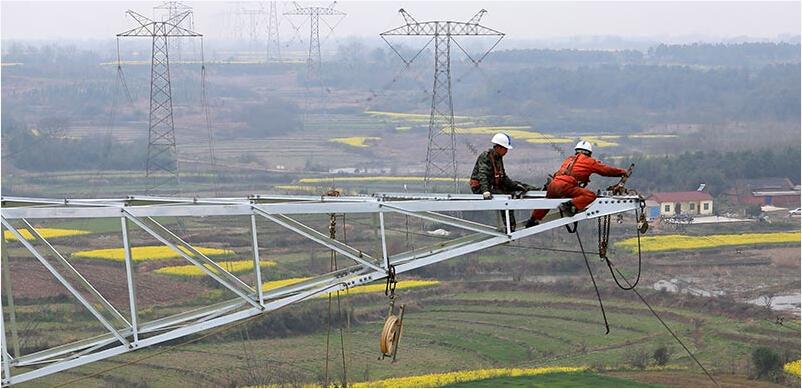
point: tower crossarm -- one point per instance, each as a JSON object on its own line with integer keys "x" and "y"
{"x": 175, "y": 5}
{"x": 434, "y": 28}
{"x": 324, "y": 11}
{"x": 167, "y": 28}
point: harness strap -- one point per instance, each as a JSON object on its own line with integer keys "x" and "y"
{"x": 568, "y": 169}
{"x": 496, "y": 175}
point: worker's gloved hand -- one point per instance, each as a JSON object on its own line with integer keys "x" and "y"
{"x": 524, "y": 187}
{"x": 487, "y": 196}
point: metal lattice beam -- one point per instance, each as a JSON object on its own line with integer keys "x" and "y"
{"x": 129, "y": 335}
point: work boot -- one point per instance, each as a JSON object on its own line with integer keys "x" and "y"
{"x": 567, "y": 209}
{"x": 531, "y": 222}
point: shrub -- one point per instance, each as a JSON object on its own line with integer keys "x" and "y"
{"x": 766, "y": 362}
{"x": 661, "y": 355}
{"x": 637, "y": 358}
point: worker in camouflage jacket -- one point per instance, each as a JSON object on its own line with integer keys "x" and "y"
{"x": 489, "y": 176}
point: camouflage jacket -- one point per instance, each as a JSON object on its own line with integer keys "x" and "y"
{"x": 489, "y": 175}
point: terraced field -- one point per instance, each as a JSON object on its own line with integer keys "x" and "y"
{"x": 449, "y": 330}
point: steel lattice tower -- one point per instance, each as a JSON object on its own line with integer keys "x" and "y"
{"x": 273, "y": 43}
{"x": 253, "y": 16}
{"x": 162, "y": 163}
{"x": 169, "y": 10}
{"x": 313, "y": 59}
{"x": 441, "y": 159}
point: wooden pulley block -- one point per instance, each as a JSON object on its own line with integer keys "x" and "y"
{"x": 387, "y": 341}
{"x": 391, "y": 333}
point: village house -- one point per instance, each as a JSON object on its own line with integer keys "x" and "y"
{"x": 779, "y": 192}
{"x": 679, "y": 203}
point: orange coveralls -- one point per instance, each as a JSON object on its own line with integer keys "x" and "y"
{"x": 573, "y": 175}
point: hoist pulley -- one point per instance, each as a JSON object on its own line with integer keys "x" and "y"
{"x": 391, "y": 332}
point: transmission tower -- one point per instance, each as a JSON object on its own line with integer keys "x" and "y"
{"x": 273, "y": 44}
{"x": 441, "y": 158}
{"x": 253, "y": 16}
{"x": 170, "y": 9}
{"x": 162, "y": 163}
{"x": 314, "y": 13}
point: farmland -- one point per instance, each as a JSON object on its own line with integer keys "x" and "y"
{"x": 492, "y": 310}
{"x": 453, "y": 330}
{"x": 523, "y": 314}
{"x": 144, "y": 253}
{"x": 658, "y": 243}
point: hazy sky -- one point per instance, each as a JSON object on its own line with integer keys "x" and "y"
{"x": 521, "y": 20}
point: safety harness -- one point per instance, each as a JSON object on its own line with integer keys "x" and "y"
{"x": 498, "y": 174}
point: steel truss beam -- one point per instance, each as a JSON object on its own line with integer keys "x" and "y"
{"x": 129, "y": 335}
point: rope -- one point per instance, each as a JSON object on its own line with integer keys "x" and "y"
{"x": 631, "y": 287}
{"x": 642, "y": 299}
{"x": 607, "y": 260}
{"x": 598, "y": 295}
{"x": 333, "y": 235}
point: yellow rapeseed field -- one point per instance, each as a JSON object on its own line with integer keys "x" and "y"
{"x": 652, "y": 136}
{"x": 792, "y": 368}
{"x": 302, "y": 188}
{"x": 602, "y": 140}
{"x": 194, "y": 271}
{"x": 518, "y": 133}
{"x": 355, "y": 141}
{"x": 523, "y": 133}
{"x": 144, "y": 253}
{"x": 407, "y": 116}
{"x": 407, "y": 284}
{"x": 325, "y": 180}
{"x": 46, "y": 233}
{"x": 279, "y": 283}
{"x": 447, "y": 379}
{"x": 684, "y": 242}
{"x": 370, "y": 288}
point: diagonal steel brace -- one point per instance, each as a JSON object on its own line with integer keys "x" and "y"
{"x": 308, "y": 232}
{"x": 64, "y": 281}
{"x": 71, "y": 270}
{"x": 244, "y": 295}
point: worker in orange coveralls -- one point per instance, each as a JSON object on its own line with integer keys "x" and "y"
{"x": 570, "y": 181}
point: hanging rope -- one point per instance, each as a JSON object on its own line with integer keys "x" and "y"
{"x": 631, "y": 287}
{"x": 640, "y": 263}
{"x": 642, "y": 299}
{"x": 333, "y": 267}
{"x": 592, "y": 279}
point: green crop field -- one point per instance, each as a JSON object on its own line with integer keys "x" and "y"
{"x": 448, "y": 328}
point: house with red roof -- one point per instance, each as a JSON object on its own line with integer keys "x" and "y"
{"x": 777, "y": 191}
{"x": 679, "y": 203}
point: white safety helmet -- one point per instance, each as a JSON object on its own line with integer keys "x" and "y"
{"x": 502, "y": 140}
{"x": 584, "y": 145}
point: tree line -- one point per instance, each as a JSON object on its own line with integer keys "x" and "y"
{"x": 717, "y": 169}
